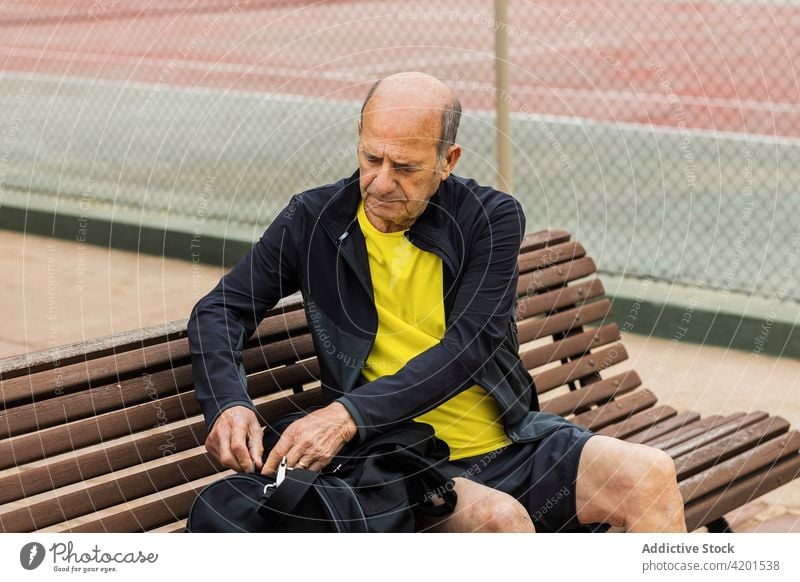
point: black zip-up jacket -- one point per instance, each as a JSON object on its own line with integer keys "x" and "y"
{"x": 316, "y": 246}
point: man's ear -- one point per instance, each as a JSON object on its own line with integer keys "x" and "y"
{"x": 450, "y": 160}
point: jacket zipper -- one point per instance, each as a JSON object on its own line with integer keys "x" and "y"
{"x": 338, "y": 240}
{"x": 361, "y": 278}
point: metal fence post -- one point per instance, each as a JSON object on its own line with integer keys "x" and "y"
{"x": 503, "y": 114}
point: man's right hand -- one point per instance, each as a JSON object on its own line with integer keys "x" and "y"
{"x": 236, "y": 439}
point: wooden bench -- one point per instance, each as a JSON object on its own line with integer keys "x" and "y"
{"x": 106, "y": 435}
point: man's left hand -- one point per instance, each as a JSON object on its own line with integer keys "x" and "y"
{"x": 312, "y": 441}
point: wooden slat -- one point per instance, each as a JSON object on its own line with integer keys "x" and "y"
{"x": 537, "y": 240}
{"x": 719, "y": 450}
{"x": 139, "y": 514}
{"x": 291, "y": 376}
{"x": 617, "y": 410}
{"x": 563, "y": 322}
{"x": 579, "y": 400}
{"x": 674, "y": 438}
{"x": 677, "y": 422}
{"x": 174, "y": 527}
{"x": 552, "y": 255}
{"x": 726, "y": 472}
{"x": 693, "y": 427}
{"x": 714, "y": 434}
{"x": 278, "y": 353}
{"x": 529, "y": 305}
{"x": 570, "y": 347}
{"x": 596, "y": 362}
{"x": 274, "y": 380}
{"x": 85, "y": 497}
{"x": 638, "y": 422}
{"x": 544, "y": 279}
{"x": 717, "y": 504}
{"x": 280, "y": 325}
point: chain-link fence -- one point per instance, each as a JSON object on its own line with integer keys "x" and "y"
{"x": 665, "y": 135}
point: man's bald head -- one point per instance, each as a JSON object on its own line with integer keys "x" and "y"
{"x": 414, "y": 90}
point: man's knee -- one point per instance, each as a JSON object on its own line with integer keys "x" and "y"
{"x": 504, "y": 514}
{"x": 629, "y": 485}
{"x": 656, "y": 490}
{"x": 659, "y": 477}
{"x": 642, "y": 471}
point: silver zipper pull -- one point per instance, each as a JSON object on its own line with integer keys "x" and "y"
{"x": 281, "y": 472}
{"x": 279, "y": 478}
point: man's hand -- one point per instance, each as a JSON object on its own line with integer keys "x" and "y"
{"x": 236, "y": 439}
{"x": 312, "y": 441}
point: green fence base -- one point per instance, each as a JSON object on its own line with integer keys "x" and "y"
{"x": 705, "y": 316}
{"x": 204, "y": 244}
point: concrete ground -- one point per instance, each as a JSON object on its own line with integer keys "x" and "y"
{"x": 58, "y": 292}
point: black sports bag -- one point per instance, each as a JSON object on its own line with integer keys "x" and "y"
{"x": 374, "y": 487}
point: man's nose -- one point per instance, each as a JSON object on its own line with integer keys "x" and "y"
{"x": 384, "y": 181}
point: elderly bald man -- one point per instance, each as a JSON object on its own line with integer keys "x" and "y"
{"x": 409, "y": 274}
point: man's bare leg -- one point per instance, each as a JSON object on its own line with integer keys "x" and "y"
{"x": 480, "y": 509}
{"x": 628, "y": 485}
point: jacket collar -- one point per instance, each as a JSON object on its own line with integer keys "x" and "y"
{"x": 339, "y": 216}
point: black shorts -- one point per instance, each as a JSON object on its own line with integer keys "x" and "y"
{"x": 540, "y": 475}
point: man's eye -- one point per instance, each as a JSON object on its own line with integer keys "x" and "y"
{"x": 372, "y": 159}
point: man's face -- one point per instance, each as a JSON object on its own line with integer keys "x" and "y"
{"x": 397, "y": 161}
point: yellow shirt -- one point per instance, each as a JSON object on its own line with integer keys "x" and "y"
{"x": 408, "y": 290}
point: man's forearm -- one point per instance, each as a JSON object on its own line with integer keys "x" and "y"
{"x": 227, "y": 316}
{"x": 217, "y": 369}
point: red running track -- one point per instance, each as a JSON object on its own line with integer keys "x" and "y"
{"x": 699, "y": 65}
